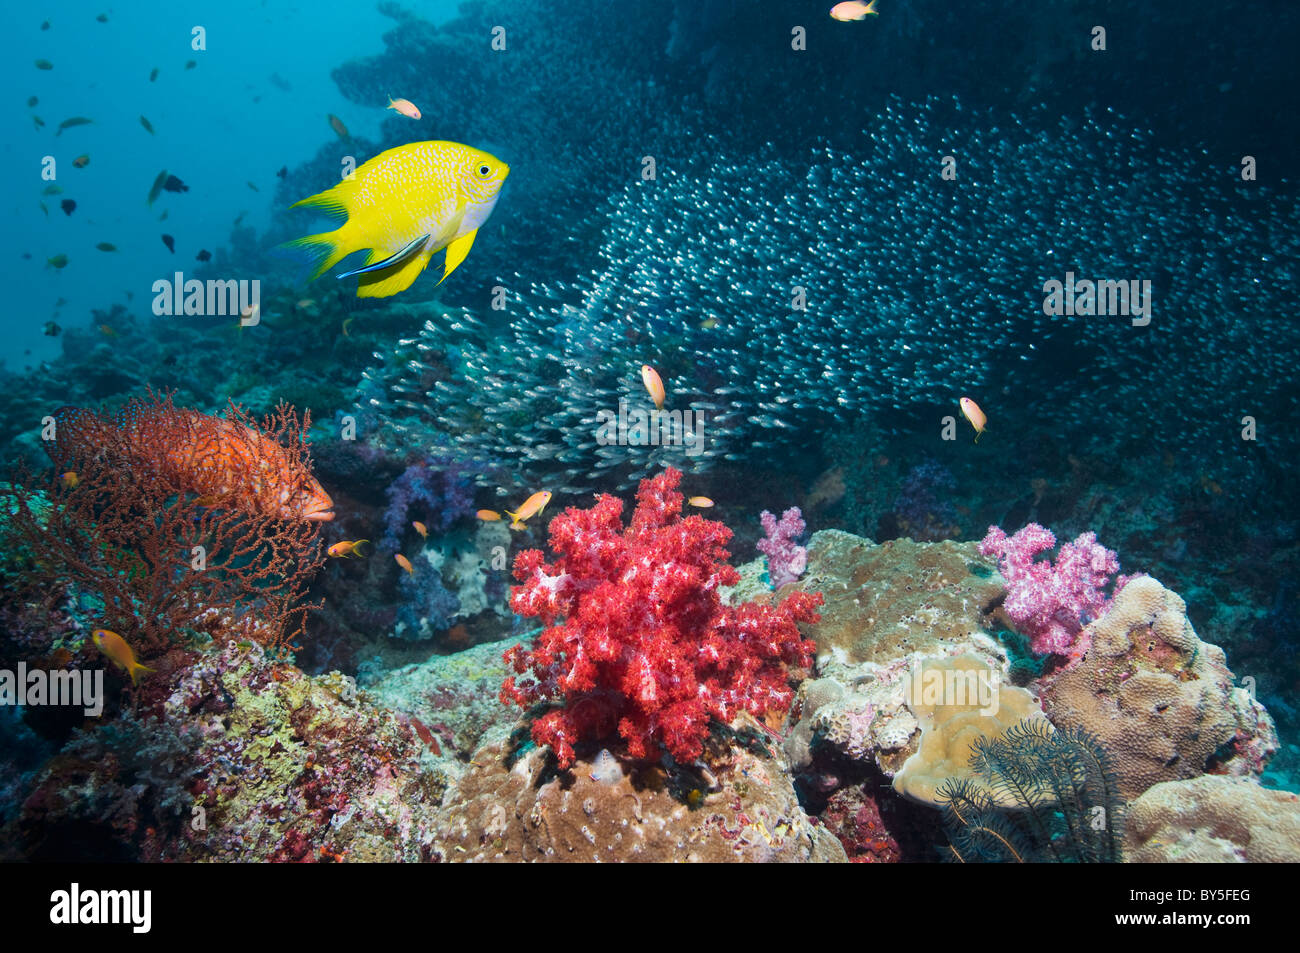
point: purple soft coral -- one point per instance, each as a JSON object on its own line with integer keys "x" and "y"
{"x": 786, "y": 560}
{"x": 438, "y": 490}
{"x": 1052, "y": 602}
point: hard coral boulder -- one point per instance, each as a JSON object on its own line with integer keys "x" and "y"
{"x": 886, "y": 600}
{"x": 888, "y": 607}
{"x": 1213, "y": 819}
{"x": 1162, "y": 702}
{"x": 602, "y": 810}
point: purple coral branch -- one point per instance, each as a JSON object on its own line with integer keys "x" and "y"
{"x": 1051, "y": 602}
{"x": 786, "y": 560}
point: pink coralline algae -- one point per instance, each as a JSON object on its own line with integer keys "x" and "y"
{"x": 637, "y": 636}
{"x": 786, "y": 560}
{"x": 1051, "y": 601}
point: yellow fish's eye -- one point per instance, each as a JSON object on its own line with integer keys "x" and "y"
{"x": 485, "y": 170}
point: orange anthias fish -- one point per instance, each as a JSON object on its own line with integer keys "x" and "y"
{"x": 219, "y": 460}
{"x": 405, "y": 563}
{"x": 972, "y": 412}
{"x": 405, "y": 107}
{"x": 488, "y": 516}
{"x": 701, "y": 501}
{"x": 347, "y": 548}
{"x": 70, "y": 479}
{"x": 854, "y": 10}
{"x": 532, "y": 506}
{"x": 421, "y": 529}
{"x": 654, "y": 385}
{"x": 119, "y": 653}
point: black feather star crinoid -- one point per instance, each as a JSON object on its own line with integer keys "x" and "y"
{"x": 1046, "y": 795}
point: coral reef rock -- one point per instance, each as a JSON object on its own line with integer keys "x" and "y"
{"x": 1213, "y": 819}
{"x": 1162, "y": 702}
{"x": 456, "y": 696}
{"x": 889, "y": 607}
{"x": 240, "y": 758}
{"x": 887, "y": 600}
{"x": 604, "y": 811}
{"x": 950, "y": 729}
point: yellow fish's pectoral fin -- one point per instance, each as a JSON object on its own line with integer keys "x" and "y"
{"x": 456, "y": 252}
{"x": 381, "y": 284}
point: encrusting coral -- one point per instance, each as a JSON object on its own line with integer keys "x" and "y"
{"x": 959, "y": 702}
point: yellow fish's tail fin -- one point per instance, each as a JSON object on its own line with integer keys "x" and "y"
{"x": 514, "y": 520}
{"x": 323, "y": 251}
{"x": 137, "y": 669}
{"x": 456, "y": 253}
{"x": 356, "y": 547}
{"x": 327, "y": 249}
{"x": 381, "y": 284}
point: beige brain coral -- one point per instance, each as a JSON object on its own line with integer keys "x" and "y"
{"x": 1213, "y": 819}
{"x": 1161, "y": 701}
{"x": 957, "y": 701}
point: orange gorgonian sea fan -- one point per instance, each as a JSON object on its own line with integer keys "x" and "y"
{"x": 164, "y": 519}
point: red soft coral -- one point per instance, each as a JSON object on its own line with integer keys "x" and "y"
{"x": 637, "y": 637}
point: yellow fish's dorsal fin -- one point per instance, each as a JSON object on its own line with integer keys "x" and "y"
{"x": 381, "y": 284}
{"x": 333, "y": 201}
{"x": 456, "y": 252}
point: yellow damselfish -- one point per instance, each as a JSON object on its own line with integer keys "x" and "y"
{"x": 404, "y": 205}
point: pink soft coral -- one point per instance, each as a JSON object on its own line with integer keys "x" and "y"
{"x": 786, "y": 559}
{"x": 637, "y": 636}
{"x": 1051, "y": 602}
